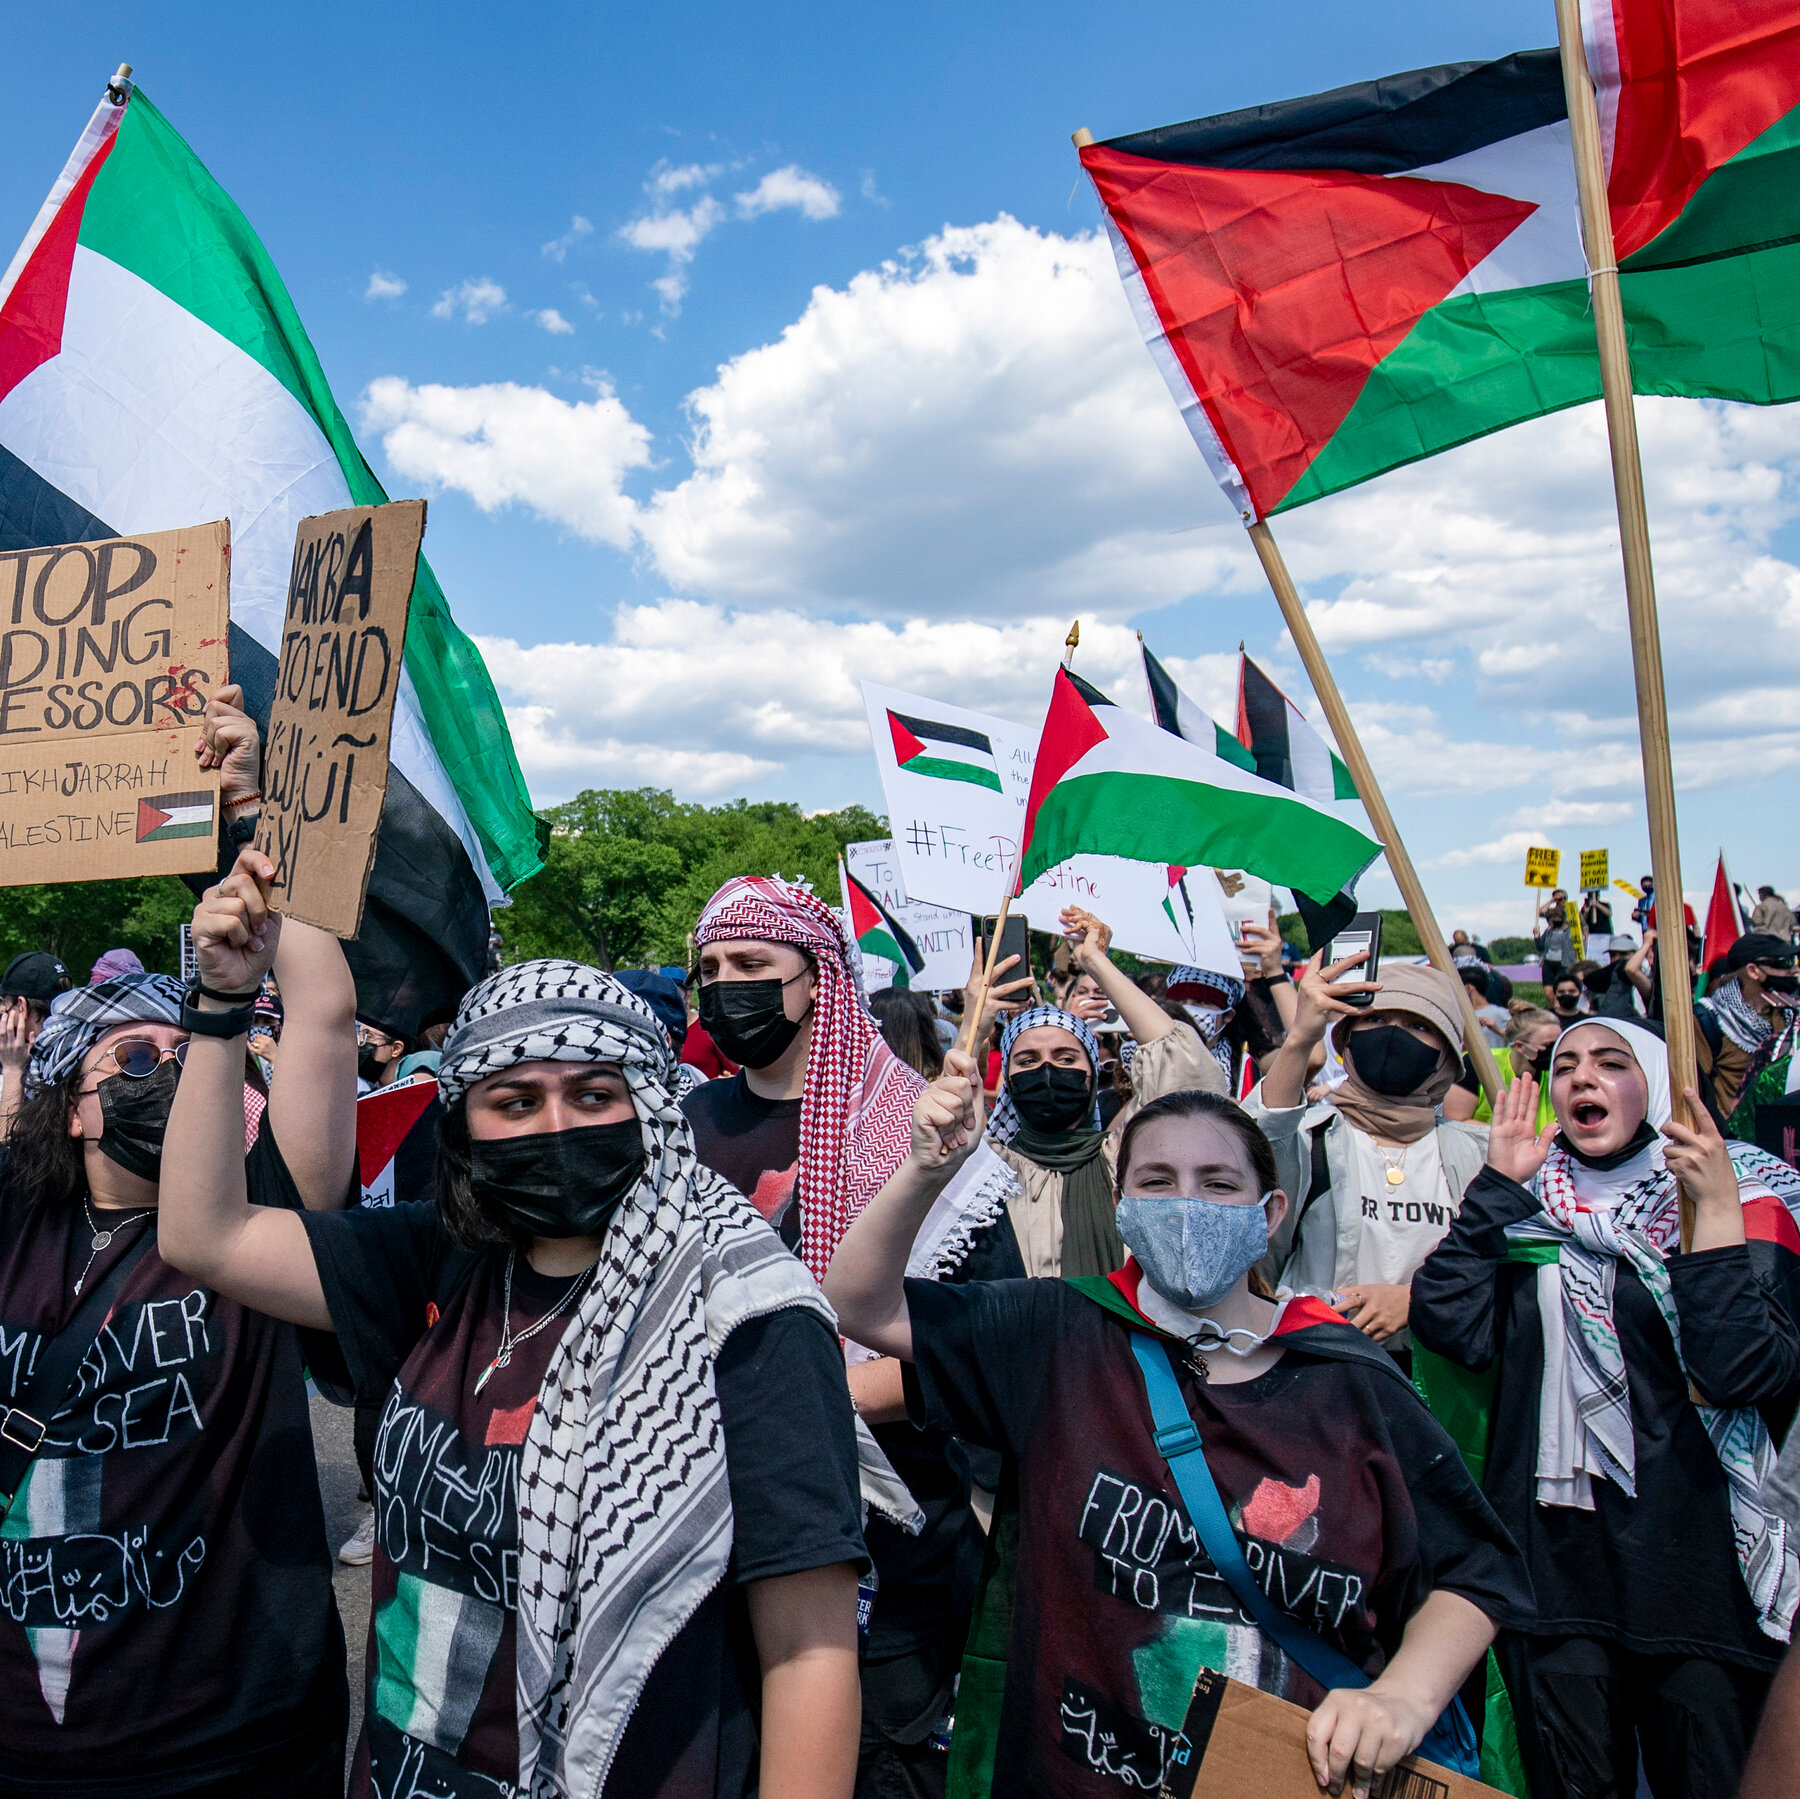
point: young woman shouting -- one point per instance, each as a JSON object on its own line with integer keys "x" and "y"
{"x": 617, "y": 1539}
{"x": 1335, "y": 1484}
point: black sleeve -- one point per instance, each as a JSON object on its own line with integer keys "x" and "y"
{"x": 1453, "y": 1300}
{"x": 379, "y": 1268}
{"x": 1262, "y": 1030}
{"x": 981, "y": 1354}
{"x": 1463, "y": 1546}
{"x": 267, "y": 1181}
{"x": 1468, "y": 1080}
{"x": 790, "y": 1447}
{"x": 1737, "y": 1337}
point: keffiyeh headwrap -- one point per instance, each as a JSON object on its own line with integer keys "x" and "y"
{"x": 625, "y": 1520}
{"x": 79, "y": 1018}
{"x": 1596, "y": 1218}
{"x": 1004, "y": 1125}
{"x": 1212, "y": 1023}
{"x": 856, "y": 1108}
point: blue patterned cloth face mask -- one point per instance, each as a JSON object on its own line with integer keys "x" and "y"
{"x": 1193, "y": 1251}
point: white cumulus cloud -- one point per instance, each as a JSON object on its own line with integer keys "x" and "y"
{"x": 790, "y": 189}
{"x": 383, "y": 286}
{"x": 476, "y": 301}
{"x": 552, "y": 321}
{"x": 559, "y": 247}
{"x": 503, "y": 444}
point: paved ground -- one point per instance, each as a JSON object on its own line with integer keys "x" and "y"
{"x": 338, "y": 1483}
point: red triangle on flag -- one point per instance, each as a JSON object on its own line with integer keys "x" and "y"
{"x": 863, "y": 915}
{"x": 1070, "y": 731}
{"x": 906, "y": 745}
{"x": 1723, "y": 925}
{"x": 382, "y": 1120}
{"x": 1280, "y": 289}
{"x": 150, "y": 818}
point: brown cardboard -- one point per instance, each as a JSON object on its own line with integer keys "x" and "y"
{"x": 108, "y": 653}
{"x": 325, "y": 765}
{"x": 1250, "y": 1742}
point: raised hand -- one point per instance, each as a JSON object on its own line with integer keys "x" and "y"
{"x": 235, "y": 932}
{"x": 1260, "y": 947}
{"x": 1089, "y": 937}
{"x": 16, "y": 1035}
{"x": 1698, "y": 1158}
{"x": 1321, "y": 996}
{"x": 229, "y": 743}
{"x": 946, "y": 1122}
{"x": 1516, "y": 1147}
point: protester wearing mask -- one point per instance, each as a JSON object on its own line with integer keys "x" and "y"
{"x": 814, "y": 1121}
{"x": 1380, "y": 1177}
{"x": 1046, "y": 1125}
{"x": 1322, "y": 1457}
{"x": 1626, "y": 1446}
{"x": 169, "y": 1626}
{"x": 378, "y": 1055}
{"x": 594, "y": 1332}
{"x": 1753, "y": 990}
{"x": 1565, "y": 994}
{"x": 1531, "y": 1034}
{"x": 1556, "y": 947}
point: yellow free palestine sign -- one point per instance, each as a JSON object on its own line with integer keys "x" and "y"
{"x": 1594, "y": 878}
{"x": 1541, "y": 867}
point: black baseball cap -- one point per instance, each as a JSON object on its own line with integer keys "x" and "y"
{"x": 35, "y": 975}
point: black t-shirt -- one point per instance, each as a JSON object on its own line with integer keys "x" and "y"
{"x": 754, "y": 1143}
{"x": 1657, "y": 1573}
{"x": 166, "y": 1612}
{"x": 441, "y": 1714}
{"x": 1350, "y": 1503}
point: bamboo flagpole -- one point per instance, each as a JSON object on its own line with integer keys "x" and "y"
{"x": 1368, "y": 789}
{"x": 1673, "y": 976}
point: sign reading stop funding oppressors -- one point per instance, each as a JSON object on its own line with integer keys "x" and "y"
{"x": 108, "y": 655}
{"x": 325, "y": 766}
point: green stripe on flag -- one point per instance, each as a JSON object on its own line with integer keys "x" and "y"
{"x": 1155, "y": 818}
{"x": 1231, "y": 750}
{"x": 877, "y": 942}
{"x": 953, "y": 771}
{"x": 156, "y": 211}
{"x": 1342, "y": 787}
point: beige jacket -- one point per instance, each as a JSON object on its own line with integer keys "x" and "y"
{"x": 1176, "y": 1060}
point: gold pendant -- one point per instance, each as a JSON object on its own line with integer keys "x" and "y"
{"x": 1395, "y": 1176}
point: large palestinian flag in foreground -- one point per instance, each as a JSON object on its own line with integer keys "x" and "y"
{"x": 154, "y": 373}
{"x": 1337, "y": 285}
{"x": 1108, "y": 783}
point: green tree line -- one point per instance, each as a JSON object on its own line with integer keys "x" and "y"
{"x": 78, "y": 921}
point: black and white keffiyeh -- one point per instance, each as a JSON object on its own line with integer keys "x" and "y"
{"x": 625, "y": 1520}
{"x": 79, "y": 1018}
{"x": 1738, "y": 1019}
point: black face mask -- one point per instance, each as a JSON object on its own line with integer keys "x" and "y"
{"x": 136, "y": 1115}
{"x": 1390, "y": 1060}
{"x": 369, "y": 1064}
{"x": 1051, "y": 1099}
{"x": 746, "y": 1020}
{"x": 558, "y": 1183}
{"x": 1782, "y": 983}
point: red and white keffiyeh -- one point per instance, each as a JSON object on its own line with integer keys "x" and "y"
{"x": 856, "y": 1109}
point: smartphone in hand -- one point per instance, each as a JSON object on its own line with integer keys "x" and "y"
{"x": 1015, "y": 940}
{"x": 1362, "y": 933}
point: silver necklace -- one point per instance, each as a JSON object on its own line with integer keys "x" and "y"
{"x": 508, "y": 1340}
{"x": 103, "y": 1237}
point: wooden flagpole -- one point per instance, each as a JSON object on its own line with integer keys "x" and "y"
{"x": 1673, "y": 975}
{"x": 1368, "y": 789}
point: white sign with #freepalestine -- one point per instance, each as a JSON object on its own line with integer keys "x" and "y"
{"x": 956, "y": 783}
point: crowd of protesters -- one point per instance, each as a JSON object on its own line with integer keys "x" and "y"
{"x": 765, "y": 1387}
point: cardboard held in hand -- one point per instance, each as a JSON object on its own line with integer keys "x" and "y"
{"x": 325, "y": 765}
{"x": 1237, "y": 1740}
{"x": 108, "y": 654}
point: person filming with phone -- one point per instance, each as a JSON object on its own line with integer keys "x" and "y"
{"x": 1376, "y": 1175}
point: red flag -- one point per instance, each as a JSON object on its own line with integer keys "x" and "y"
{"x": 1724, "y": 924}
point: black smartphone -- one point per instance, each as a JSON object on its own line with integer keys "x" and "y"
{"x": 1015, "y": 940}
{"x": 1362, "y": 933}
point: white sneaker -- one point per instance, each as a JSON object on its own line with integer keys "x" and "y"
{"x": 359, "y": 1551}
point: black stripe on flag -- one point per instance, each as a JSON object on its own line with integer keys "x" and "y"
{"x": 1262, "y": 706}
{"x": 928, "y": 730}
{"x": 1164, "y": 701}
{"x": 1382, "y": 127}
{"x": 1087, "y": 690}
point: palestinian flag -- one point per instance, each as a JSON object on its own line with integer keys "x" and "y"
{"x": 1108, "y": 783}
{"x": 154, "y": 372}
{"x": 948, "y": 752}
{"x": 1283, "y": 746}
{"x": 1176, "y": 713}
{"x": 1337, "y": 285}
{"x": 396, "y": 1143}
{"x": 877, "y": 931}
{"x": 175, "y": 815}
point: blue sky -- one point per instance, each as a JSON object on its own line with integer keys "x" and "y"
{"x": 886, "y": 415}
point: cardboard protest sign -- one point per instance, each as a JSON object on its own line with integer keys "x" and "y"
{"x": 1235, "y": 1740}
{"x": 1541, "y": 867}
{"x": 108, "y": 655}
{"x": 956, "y": 783}
{"x": 1594, "y": 871}
{"x": 325, "y": 764}
{"x": 941, "y": 932}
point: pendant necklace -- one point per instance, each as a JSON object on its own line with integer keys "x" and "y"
{"x": 102, "y": 1238}
{"x": 509, "y": 1341}
{"x": 1396, "y": 1171}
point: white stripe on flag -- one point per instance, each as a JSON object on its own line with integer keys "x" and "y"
{"x": 1310, "y": 757}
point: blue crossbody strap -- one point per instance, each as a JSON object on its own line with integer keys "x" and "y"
{"x": 1177, "y": 1437}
